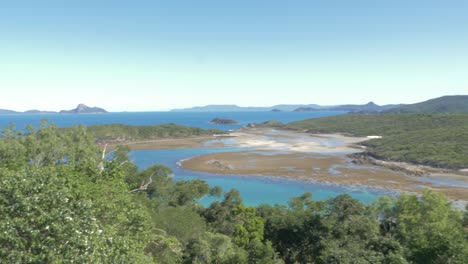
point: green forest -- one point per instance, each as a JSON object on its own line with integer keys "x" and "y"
{"x": 438, "y": 140}
{"x": 62, "y": 200}
{"x": 119, "y": 132}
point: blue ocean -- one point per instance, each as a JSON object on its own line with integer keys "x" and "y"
{"x": 194, "y": 119}
{"x": 254, "y": 190}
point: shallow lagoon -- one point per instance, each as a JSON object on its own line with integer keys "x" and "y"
{"x": 254, "y": 190}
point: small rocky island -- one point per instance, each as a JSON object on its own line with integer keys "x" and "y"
{"x": 306, "y": 109}
{"x": 223, "y": 121}
{"x": 84, "y": 109}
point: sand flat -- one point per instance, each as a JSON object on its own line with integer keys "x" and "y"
{"x": 315, "y": 167}
{"x": 320, "y": 158}
{"x": 303, "y": 156}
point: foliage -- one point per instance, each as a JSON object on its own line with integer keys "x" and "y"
{"x": 57, "y": 204}
{"x": 60, "y": 201}
{"x": 119, "y": 133}
{"x": 342, "y": 230}
{"x": 439, "y": 140}
{"x": 444, "y": 104}
{"x": 445, "y": 147}
{"x": 430, "y": 230}
{"x": 214, "y": 248}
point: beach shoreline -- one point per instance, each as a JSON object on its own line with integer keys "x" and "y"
{"x": 321, "y": 158}
{"x": 311, "y": 157}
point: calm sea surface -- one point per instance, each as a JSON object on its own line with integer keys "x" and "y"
{"x": 254, "y": 190}
{"x": 151, "y": 118}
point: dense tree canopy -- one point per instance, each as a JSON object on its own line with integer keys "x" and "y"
{"x": 439, "y": 140}
{"x": 61, "y": 201}
{"x": 119, "y": 132}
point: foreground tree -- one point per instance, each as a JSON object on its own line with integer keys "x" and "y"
{"x": 430, "y": 230}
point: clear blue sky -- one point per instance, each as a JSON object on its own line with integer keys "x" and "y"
{"x": 156, "y": 55}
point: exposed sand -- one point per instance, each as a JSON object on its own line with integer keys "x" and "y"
{"x": 320, "y": 158}
{"x": 291, "y": 154}
{"x": 315, "y": 167}
{"x": 272, "y": 139}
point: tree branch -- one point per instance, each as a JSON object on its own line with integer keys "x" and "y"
{"x": 144, "y": 185}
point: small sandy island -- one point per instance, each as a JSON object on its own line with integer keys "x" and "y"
{"x": 320, "y": 158}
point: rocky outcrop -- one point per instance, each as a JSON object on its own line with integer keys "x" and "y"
{"x": 366, "y": 159}
{"x": 219, "y": 165}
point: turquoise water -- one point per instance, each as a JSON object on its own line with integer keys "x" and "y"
{"x": 254, "y": 190}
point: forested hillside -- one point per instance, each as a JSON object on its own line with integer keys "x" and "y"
{"x": 439, "y": 140}
{"x": 62, "y": 202}
{"x": 444, "y": 104}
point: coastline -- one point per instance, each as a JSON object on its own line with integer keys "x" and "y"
{"x": 332, "y": 169}
{"x": 332, "y": 159}
{"x": 285, "y": 154}
{"x": 171, "y": 143}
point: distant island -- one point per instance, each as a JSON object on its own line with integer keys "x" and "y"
{"x": 83, "y": 109}
{"x": 369, "y": 107}
{"x": 223, "y": 121}
{"x": 444, "y": 104}
{"x": 235, "y": 108}
{"x": 34, "y": 111}
{"x": 306, "y": 109}
{"x": 80, "y": 109}
{"x": 7, "y": 112}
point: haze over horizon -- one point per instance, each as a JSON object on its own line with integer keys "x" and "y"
{"x": 150, "y": 55}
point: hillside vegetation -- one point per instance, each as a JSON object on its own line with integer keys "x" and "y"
{"x": 62, "y": 202}
{"x": 444, "y": 104}
{"x": 120, "y": 133}
{"x": 439, "y": 140}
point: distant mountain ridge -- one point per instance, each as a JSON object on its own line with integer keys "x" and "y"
{"x": 235, "y": 108}
{"x": 34, "y": 111}
{"x": 444, "y": 104}
{"x": 369, "y": 107}
{"x": 80, "y": 109}
{"x": 6, "y": 112}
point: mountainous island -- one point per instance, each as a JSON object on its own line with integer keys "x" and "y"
{"x": 444, "y": 104}
{"x": 80, "y": 109}
{"x": 84, "y": 109}
{"x": 235, "y": 108}
{"x": 369, "y": 107}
